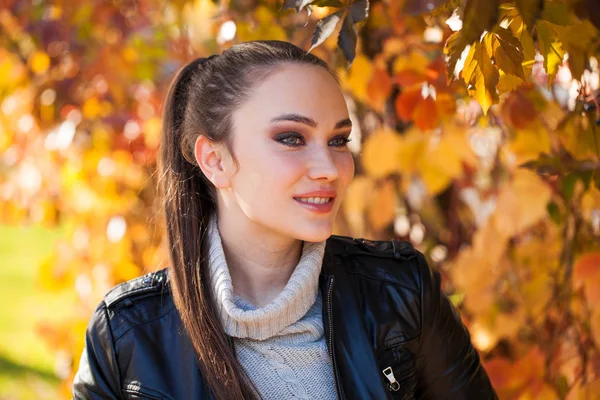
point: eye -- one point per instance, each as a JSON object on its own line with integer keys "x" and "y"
{"x": 291, "y": 139}
{"x": 340, "y": 141}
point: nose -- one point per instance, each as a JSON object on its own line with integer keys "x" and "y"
{"x": 322, "y": 165}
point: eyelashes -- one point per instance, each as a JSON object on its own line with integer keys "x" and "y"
{"x": 293, "y": 139}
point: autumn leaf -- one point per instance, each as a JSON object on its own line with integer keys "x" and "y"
{"x": 382, "y": 207}
{"x": 478, "y": 17}
{"x": 419, "y": 107}
{"x": 506, "y": 51}
{"x": 347, "y": 38}
{"x": 379, "y": 88}
{"x": 481, "y": 76}
{"x": 381, "y": 153}
{"x": 359, "y": 10}
{"x": 521, "y": 203}
{"x": 324, "y": 29}
{"x": 530, "y": 10}
{"x": 586, "y": 273}
{"x": 550, "y": 48}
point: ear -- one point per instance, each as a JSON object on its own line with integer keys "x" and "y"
{"x": 213, "y": 160}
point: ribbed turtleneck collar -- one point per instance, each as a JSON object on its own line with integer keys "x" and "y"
{"x": 289, "y": 306}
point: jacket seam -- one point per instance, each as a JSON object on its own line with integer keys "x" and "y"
{"x": 396, "y": 283}
{"x": 113, "y": 345}
{"x": 145, "y": 322}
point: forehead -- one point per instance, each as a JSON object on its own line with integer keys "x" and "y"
{"x": 302, "y": 89}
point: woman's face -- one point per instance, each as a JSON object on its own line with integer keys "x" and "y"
{"x": 289, "y": 139}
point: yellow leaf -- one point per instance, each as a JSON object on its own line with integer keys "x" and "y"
{"x": 412, "y": 147}
{"x": 39, "y": 62}
{"x": 415, "y": 61}
{"x": 381, "y": 153}
{"x": 527, "y": 144}
{"x": 382, "y": 207}
{"x": 507, "y": 51}
{"x": 590, "y": 202}
{"x": 521, "y": 203}
{"x": 481, "y": 76}
{"x": 434, "y": 176}
{"x": 440, "y": 166}
{"x": 508, "y": 83}
{"x": 550, "y": 48}
{"x": 359, "y": 77}
{"x": 358, "y": 196}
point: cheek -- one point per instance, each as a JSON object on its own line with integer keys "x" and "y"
{"x": 272, "y": 174}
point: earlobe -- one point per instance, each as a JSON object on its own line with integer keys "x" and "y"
{"x": 209, "y": 156}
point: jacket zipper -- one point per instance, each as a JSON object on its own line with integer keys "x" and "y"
{"x": 330, "y": 317}
{"x": 389, "y": 374}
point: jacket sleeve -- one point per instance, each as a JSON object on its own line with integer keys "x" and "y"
{"x": 98, "y": 375}
{"x": 448, "y": 365}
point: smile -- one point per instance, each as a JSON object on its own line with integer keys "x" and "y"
{"x": 314, "y": 200}
{"x": 319, "y": 205}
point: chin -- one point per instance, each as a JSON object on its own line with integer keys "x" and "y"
{"x": 316, "y": 233}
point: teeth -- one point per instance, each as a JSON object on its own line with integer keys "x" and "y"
{"x": 315, "y": 200}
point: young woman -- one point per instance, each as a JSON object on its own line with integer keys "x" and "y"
{"x": 259, "y": 299}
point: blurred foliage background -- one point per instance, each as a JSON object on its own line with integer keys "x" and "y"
{"x": 477, "y": 138}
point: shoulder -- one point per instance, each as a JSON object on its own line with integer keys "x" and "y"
{"x": 394, "y": 261}
{"x": 144, "y": 286}
{"x": 134, "y": 303}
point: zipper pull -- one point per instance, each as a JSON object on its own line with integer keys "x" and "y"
{"x": 389, "y": 374}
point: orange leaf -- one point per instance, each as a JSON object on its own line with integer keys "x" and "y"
{"x": 425, "y": 114}
{"x": 586, "y": 273}
{"x": 379, "y": 89}
{"x": 407, "y": 101}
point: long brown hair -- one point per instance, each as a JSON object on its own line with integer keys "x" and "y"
{"x": 200, "y": 101}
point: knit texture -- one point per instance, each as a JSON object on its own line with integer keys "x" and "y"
{"x": 281, "y": 346}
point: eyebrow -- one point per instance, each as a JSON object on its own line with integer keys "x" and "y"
{"x": 345, "y": 123}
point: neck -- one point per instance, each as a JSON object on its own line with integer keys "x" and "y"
{"x": 260, "y": 263}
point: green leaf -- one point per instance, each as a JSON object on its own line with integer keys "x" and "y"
{"x": 359, "y": 10}
{"x": 481, "y": 76}
{"x": 530, "y": 10}
{"x": 568, "y": 186}
{"x": 506, "y": 51}
{"x": 550, "y": 48}
{"x": 545, "y": 164}
{"x": 554, "y": 212}
{"x": 324, "y": 29}
{"x": 347, "y": 39}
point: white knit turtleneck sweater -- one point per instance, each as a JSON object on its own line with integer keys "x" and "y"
{"x": 281, "y": 346}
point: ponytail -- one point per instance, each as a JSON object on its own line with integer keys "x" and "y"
{"x": 188, "y": 202}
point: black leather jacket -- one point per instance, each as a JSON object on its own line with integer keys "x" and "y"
{"x": 391, "y": 334}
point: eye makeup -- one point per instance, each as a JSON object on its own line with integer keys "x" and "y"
{"x": 295, "y": 139}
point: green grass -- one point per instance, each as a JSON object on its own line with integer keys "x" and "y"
{"x": 26, "y": 363}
